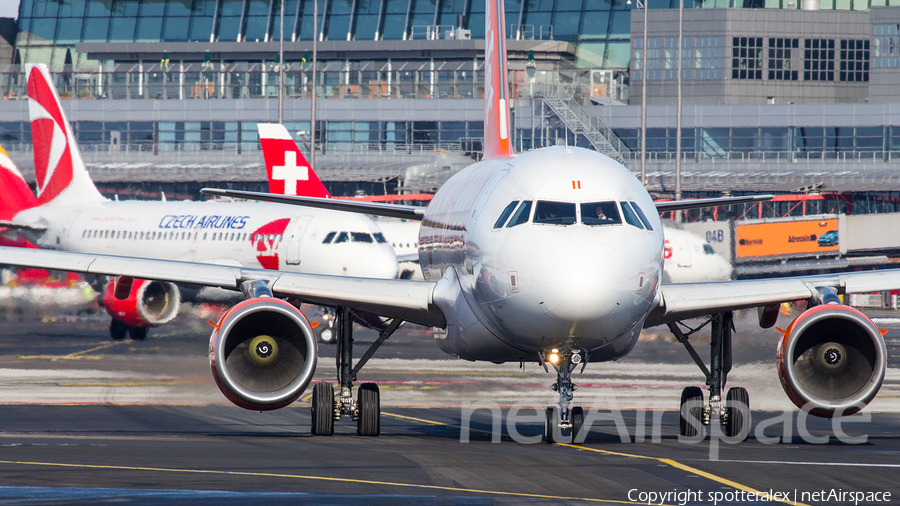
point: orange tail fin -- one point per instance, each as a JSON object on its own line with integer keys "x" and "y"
{"x": 496, "y": 88}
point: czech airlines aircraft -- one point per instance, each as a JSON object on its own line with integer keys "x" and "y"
{"x": 70, "y": 214}
{"x": 552, "y": 256}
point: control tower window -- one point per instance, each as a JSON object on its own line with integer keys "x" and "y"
{"x": 554, "y": 213}
{"x": 600, "y": 213}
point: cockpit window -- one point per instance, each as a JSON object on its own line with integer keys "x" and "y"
{"x": 600, "y": 213}
{"x": 342, "y": 237}
{"x": 630, "y": 217}
{"x": 708, "y": 250}
{"x": 642, "y": 216}
{"x": 505, "y": 214}
{"x": 522, "y": 214}
{"x": 554, "y": 213}
{"x": 379, "y": 238}
{"x": 329, "y": 237}
{"x": 360, "y": 237}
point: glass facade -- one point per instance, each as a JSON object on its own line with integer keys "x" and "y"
{"x": 49, "y": 27}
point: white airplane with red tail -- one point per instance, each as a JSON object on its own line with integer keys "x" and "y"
{"x": 70, "y": 214}
{"x": 551, "y": 256}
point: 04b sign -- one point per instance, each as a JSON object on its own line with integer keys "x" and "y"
{"x": 786, "y": 238}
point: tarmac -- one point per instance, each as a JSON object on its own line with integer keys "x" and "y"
{"x": 86, "y": 420}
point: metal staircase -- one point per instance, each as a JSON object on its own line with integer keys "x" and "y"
{"x": 577, "y": 120}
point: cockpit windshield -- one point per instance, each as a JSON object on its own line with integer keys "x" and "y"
{"x": 600, "y": 213}
{"x": 554, "y": 213}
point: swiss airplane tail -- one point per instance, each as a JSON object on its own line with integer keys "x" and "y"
{"x": 15, "y": 195}
{"x": 496, "y": 88}
{"x": 61, "y": 175}
{"x": 288, "y": 171}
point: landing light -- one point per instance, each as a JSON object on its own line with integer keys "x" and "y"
{"x": 554, "y": 358}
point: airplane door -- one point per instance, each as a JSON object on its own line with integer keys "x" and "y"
{"x": 684, "y": 254}
{"x": 294, "y": 237}
{"x": 67, "y": 236}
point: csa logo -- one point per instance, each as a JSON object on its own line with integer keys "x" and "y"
{"x": 266, "y": 240}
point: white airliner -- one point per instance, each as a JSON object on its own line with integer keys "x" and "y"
{"x": 688, "y": 258}
{"x": 552, "y": 256}
{"x": 70, "y": 214}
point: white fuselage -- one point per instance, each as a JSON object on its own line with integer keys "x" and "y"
{"x": 690, "y": 259}
{"x": 228, "y": 233}
{"x": 534, "y": 286}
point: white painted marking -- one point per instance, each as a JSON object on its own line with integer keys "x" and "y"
{"x": 788, "y": 463}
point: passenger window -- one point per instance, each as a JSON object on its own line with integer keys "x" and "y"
{"x": 360, "y": 237}
{"x": 522, "y": 215}
{"x": 630, "y": 217}
{"x": 342, "y": 237}
{"x": 642, "y": 216}
{"x": 379, "y": 238}
{"x": 329, "y": 237}
{"x": 554, "y": 213}
{"x": 600, "y": 213}
{"x": 505, "y": 214}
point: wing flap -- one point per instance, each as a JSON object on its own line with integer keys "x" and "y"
{"x": 690, "y": 300}
{"x": 409, "y": 300}
{"x": 414, "y": 213}
{"x": 406, "y": 299}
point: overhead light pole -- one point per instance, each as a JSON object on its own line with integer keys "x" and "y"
{"x": 678, "y": 107}
{"x": 281, "y": 68}
{"x": 312, "y": 116}
{"x": 643, "y": 6}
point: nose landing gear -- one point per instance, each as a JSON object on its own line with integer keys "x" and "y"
{"x": 564, "y": 361}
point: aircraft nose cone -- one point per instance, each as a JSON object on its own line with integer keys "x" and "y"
{"x": 380, "y": 264}
{"x": 572, "y": 284}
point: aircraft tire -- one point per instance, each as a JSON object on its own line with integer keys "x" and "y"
{"x": 737, "y": 414}
{"x": 551, "y": 428}
{"x": 325, "y": 334}
{"x": 691, "y": 403}
{"x": 577, "y": 423}
{"x": 117, "y": 330}
{"x": 322, "y": 410}
{"x": 137, "y": 333}
{"x": 369, "y": 404}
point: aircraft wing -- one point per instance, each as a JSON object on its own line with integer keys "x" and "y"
{"x": 679, "y": 205}
{"x": 409, "y": 300}
{"x": 689, "y": 300}
{"x": 37, "y": 229}
{"x": 374, "y": 208}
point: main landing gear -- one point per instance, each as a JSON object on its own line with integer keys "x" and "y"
{"x": 564, "y": 361}
{"x": 119, "y": 329}
{"x": 366, "y": 409}
{"x": 734, "y": 413}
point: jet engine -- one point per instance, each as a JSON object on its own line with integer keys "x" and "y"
{"x": 263, "y": 353}
{"x": 831, "y": 360}
{"x": 147, "y": 303}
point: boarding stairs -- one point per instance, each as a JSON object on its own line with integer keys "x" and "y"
{"x": 562, "y": 103}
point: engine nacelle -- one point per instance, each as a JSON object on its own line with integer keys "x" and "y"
{"x": 148, "y": 304}
{"x": 263, "y": 354}
{"x": 831, "y": 360}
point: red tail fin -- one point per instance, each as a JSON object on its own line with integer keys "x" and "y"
{"x": 289, "y": 172}
{"x": 60, "y": 172}
{"x": 15, "y": 195}
{"x": 496, "y": 89}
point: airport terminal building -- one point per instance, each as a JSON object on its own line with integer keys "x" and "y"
{"x": 776, "y": 96}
